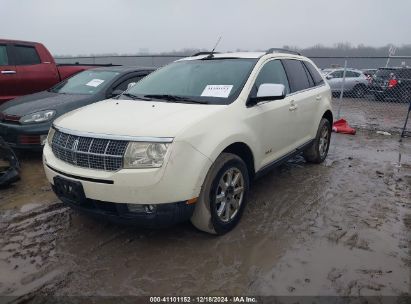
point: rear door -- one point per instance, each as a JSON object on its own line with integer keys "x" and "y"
{"x": 351, "y": 80}
{"x": 33, "y": 74}
{"x": 8, "y": 75}
{"x": 305, "y": 97}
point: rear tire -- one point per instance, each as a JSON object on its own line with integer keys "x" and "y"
{"x": 318, "y": 150}
{"x": 223, "y": 198}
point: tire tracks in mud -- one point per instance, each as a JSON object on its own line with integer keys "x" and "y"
{"x": 356, "y": 238}
{"x": 28, "y": 249}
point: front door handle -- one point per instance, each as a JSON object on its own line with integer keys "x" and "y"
{"x": 318, "y": 97}
{"x": 293, "y": 106}
{"x": 8, "y": 72}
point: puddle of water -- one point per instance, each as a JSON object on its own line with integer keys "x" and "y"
{"x": 33, "y": 188}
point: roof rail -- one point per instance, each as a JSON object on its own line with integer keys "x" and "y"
{"x": 279, "y": 50}
{"x": 203, "y": 53}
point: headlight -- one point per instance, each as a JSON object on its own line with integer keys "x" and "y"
{"x": 50, "y": 135}
{"x": 145, "y": 155}
{"x": 37, "y": 117}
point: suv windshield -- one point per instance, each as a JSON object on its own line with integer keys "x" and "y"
{"x": 215, "y": 81}
{"x": 87, "y": 82}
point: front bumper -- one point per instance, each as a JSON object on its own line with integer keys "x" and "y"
{"x": 23, "y": 136}
{"x": 164, "y": 215}
{"x": 179, "y": 179}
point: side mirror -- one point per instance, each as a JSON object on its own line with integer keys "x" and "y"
{"x": 269, "y": 91}
{"x": 116, "y": 93}
{"x": 131, "y": 84}
{"x": 329, "y": 77}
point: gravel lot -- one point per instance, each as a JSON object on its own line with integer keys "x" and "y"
{"x": 340, "y": 228}
{"x": 370, "y": 114}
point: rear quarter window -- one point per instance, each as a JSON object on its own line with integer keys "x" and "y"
{"x": 318, "y": 80}
{"x": 297, "y": 75}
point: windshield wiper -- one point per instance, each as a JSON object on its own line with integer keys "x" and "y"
{"x": 134, "y": 97}
{"x": 174, "y": 98}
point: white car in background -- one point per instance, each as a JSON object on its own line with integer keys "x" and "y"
{"x": 356, "y": 82}
{"x": 186, "y": 141}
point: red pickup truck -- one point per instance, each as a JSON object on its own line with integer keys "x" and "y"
{"x": 28, "y": 67}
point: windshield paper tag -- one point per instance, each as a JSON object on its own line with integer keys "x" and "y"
{"x": 94, "y": 82}
{"x": 216, "y": 90}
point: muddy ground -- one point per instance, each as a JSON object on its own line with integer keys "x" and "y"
{"x": 339, "y": 228}
{"x": 367, "y": 113}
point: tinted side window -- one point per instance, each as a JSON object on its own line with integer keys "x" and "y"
{"x": 337, "y": 74}
{"x": 351, "y": 74}
{"x": 4, "y": 59}
{"x": 26, "y": 55}
{"x": 310, "y": 79}
{"x": 273, "y": 72}
{"x": 123, "y": 86}
{"x": 297, "y": 75}
{"x": 318, "y": 80}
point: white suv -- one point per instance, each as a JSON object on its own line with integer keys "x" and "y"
{"x": 185, "y": 142}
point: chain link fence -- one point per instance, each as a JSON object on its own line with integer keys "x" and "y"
{"x": 369, "y": 92}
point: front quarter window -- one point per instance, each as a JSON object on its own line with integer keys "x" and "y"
{"x": 272, "y": 72}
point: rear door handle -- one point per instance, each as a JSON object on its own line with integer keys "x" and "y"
{"x": 318, "y": 97}
{"x": 8, "y": 72}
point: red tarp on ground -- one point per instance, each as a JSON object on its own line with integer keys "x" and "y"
{"x": 342, "y": 126}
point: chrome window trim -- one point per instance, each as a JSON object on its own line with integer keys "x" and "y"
{"x": 116, "y": 137}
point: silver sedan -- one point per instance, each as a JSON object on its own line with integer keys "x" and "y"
{"x": 356, "y": 83}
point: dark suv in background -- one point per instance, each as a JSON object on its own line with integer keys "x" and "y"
{"x": 392, "y": 84}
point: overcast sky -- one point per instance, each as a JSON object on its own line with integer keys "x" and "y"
{"x": 73, "y": 27}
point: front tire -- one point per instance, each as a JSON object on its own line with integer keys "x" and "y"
{"x": 223, "y": 196}
{"x": 318, "y": 150}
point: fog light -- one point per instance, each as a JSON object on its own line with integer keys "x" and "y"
{"x": 150, "y": 208}
{"x": 137, "y": 208}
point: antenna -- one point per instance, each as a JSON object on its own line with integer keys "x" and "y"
{"x": 218, "y": 41}
{"x": 212, "y": 52}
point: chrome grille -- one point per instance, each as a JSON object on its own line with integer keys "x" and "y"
{"x": 88, "y": 152}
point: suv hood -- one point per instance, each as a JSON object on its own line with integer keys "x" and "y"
{"x": 135, "y": 117}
